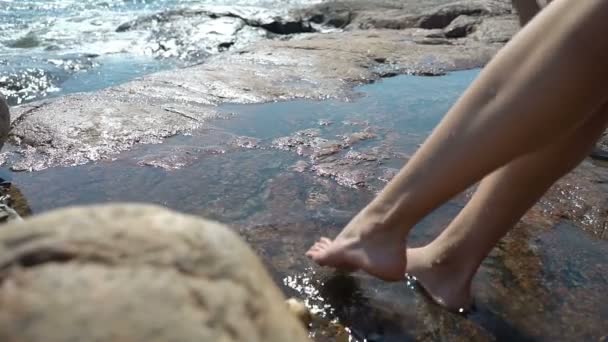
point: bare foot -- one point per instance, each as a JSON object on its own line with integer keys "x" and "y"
{"x": 366, "y": 247}
{"x": 447, "y": 284}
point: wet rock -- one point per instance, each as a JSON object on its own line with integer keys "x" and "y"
{"x": 195, "y": 33}
{"x": 299, "y": 309}
{"x": 247, "y": 142}
{"x": 308, "y": 138}
{"x": 137, "y": 273}
{"x": 316, "y": 199}
{"x": 308, "y": 143}
{"x": 336, "y": 159}
{"x": 361, "y": 156}
{"x": 275, "y": 21}
{"x": 579, "y": 197}
{"x": 12, "y": 204}
{"x": 299, "y": 166}
{"x": 327, "y": 148}
{"x": 80, "y": 128}
{"x": 309, "y": 67}
{"x": 390, "y": 14}
{"x": 355, "y": 168}
{"x": 343, "y": 173}
{"x": 496, "y": 29}
{"x": 388, "y": 174}
{"x": 442, "y": 16}
{"x": 177, "y": 157}
{"x": 13, "y": 198}
{"x": 193, "y": 38}
{"x": 356, "y": 137}
{"x": 460, "y": 27}
{"x": 30, "y": 40}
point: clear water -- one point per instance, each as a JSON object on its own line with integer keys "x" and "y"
{"x": 538, "y": 284}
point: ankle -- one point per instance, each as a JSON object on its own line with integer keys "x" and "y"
{"x": 450, "y": 261}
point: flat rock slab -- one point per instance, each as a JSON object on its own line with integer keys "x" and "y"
{"x": 135, "y": 273}
{"x": 76, "y": 129}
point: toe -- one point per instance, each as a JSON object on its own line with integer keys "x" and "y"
{"x": 316, "y": 250}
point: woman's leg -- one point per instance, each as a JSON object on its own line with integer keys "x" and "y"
{"x": 536, "y": 90}
{"x": 446, "y": 266}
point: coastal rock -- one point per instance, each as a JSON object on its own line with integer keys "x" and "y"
{"x": 177, "y": 157}
{"x": 193, "y": 33}
{"x": 135, "y": 273}
{"x": 442, "y": 16}
{"x": 312, "y": 66}
{"x": 579, "y": 197}
{"x": 79, "y": 128}
{"x": 495, "y": 30}
{"x": 392, "y": 14}
{"x": 275, "y": 21}
{"x": 460, "y": 27}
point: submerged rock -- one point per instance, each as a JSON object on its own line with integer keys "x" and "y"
{"x": 136, "y": 273}
{"x": 177, "y": 157}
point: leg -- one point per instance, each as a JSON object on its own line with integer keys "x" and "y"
{"x": 446, "y": 266}
{"x": 534, "y": 91}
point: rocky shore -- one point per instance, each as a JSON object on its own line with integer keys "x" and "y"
{"x": 356, "y": 42}
{"x": 155, "y": 274}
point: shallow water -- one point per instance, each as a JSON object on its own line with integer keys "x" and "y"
{"x": 539, "y": 283}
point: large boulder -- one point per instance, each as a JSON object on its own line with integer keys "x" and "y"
{"x": 135, "y": 273}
